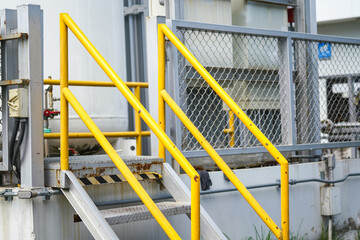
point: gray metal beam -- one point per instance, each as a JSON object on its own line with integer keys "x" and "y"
{"x": 9, "y": 70}
{"x": 263, "y": 32}
{"x": 85, "y": 207}
{"x": 278, "y": 2}
{"x": 29, "y": 19}
{"x": 288, "y": 125}
{"x": 152, "y": 68}
{"x": 251, "y": 150}
{"x": 176, "y": 187}
{"x": 134, "y": 9}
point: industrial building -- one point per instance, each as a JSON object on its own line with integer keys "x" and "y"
{"x": 180, "y": 119}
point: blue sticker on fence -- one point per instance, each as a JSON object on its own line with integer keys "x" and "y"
{"x": 324, "y": 50}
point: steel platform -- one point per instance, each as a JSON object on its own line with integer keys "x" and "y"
{"x": 98, "y": 165}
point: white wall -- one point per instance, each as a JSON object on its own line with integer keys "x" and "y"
{"x": 103, "y": 24}
{"x": 335, "y": 10}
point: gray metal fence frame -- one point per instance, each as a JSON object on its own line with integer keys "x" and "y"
{"x": 285, "y": 40}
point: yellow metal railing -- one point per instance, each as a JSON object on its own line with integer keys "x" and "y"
{"x": 282, "y": 233}
{"x": 138, "y": 133}
{"x": 67, "y": 97}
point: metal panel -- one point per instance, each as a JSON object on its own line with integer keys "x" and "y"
{"x": 31, "y": 67}
{"x": 9, "y": 70}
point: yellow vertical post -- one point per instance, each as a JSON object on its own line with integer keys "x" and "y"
{"x": 232, "y": 128}
{"x": 64, "y": 111}
{"x": 284, "y": 193}
{"x": 161, "y": 86}
{"x": 195, "y": 209}
{"x": 138, "y": 124}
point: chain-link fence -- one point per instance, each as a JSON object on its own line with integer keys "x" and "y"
{"x": 252, "y": 70}
{"x": 326, "y": 79}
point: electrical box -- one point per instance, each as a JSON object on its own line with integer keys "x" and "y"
{"x": 330, "y": 201}
{"x": 18, "y": 102}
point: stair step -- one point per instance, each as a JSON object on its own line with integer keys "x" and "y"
{"x": 140, "y": 212}
{"x": 92, "y": 166}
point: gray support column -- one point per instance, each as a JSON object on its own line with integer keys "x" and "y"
{"x": 9, "y": 70}
{"x": 307, "y": 105}
{"x": 152, "y": 66}
{"x": 174, "y": 9}
{"x": 31, "y": 67}
{"x": 288, "y": 126}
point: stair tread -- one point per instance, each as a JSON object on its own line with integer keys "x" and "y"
{"x": 140, "y": 212}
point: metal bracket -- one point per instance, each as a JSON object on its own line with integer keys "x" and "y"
{"x": 278, "y": 2}
{"x": 134, "y": 9}
{"x": 8, "y": 195}
{"x": 14, "y": 82}
{"x": 13, "y": 36}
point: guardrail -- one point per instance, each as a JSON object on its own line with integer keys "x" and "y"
{"x": 290, "y": 84}
{"x": 138, "y": 133}
{"x": 67, "y": 97}
{"x": 163, "y": 31}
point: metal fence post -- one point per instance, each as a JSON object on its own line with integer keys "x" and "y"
{"x": 287, "y": 101}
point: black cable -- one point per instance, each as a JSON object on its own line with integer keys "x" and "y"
{"x": 13, "y": 138}
{"x": 15, "y": 160}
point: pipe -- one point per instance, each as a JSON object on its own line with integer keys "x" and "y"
{"x": 277, "y": 184}
{"x": 15, "y": 161}
{"x": 13, "y": 138}
{"x": 31, "y": 193}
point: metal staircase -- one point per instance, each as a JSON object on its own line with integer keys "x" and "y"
{"x": 99, "y": 221}
{"x": 80, "y": 200}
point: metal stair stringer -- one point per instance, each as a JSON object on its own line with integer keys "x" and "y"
{"x": 85, "y": 207}
{"x": 179, "y": 191}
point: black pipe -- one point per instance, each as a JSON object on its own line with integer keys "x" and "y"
{"x": 13, "y": 138}
{"x": 15, "y": 161}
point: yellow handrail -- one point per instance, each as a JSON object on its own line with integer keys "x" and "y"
{"x": 138, "y": 134}
{"x": 90, "y": 135}
{"x": 125, "y": 171}
{"x": 220, "y": 162}
{"x": 95, "y": 83}
{"x": 284, "y": 167}
{"x": 67, "y": 22}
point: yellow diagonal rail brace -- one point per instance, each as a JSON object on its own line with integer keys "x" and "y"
{"x": 284, "y": 167}
{"x": 221, "y": 163}
{"x": 66, "y": 21}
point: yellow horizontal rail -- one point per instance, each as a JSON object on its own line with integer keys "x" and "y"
{"x": 220, "y": 163}
{"x": 138, "y": 107}
{"x": 119, "y": 163}
{"x": 248, "y": 124}
{"x": 90, "y": 135}
{"x": 95, "y": 83}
